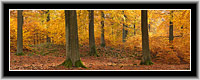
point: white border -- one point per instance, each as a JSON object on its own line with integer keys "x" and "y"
{"x": 100, "y": 9}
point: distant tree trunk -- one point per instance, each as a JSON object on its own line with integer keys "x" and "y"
{"x": 48, "y": 19}
{"x": 34, "y": 37}
{"x": 91, "y": 34}
{"x": 40, "y": 39}
{"x": 124, "y": 31}
{"x": 102, "y": 30}
{"x": 37, "y": 39}
{"x": 123, "y": 34}
{"x": 112, "y": 30}
{"x": 72, "y": 44}
{"x": 171, "y": 37}
{"x": 134, "y": 29}
{"x": 149, "y": 27}
{"x": 146, "y": 58}
{"x": 19, "y": 32}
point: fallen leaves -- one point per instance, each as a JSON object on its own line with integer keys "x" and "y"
{"x": 34, "y": 62}
{"x": 108, "y": 60}
{"x": 93, "y": 63}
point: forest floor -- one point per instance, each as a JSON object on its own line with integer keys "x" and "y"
{"x": 48, "y": 57}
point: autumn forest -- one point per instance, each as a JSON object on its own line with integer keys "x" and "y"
{"x": 100, "y": 39}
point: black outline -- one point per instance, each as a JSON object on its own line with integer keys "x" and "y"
{"x": 192, "y": 6}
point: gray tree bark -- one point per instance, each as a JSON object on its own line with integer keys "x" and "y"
{"x": 91, "y": 34}
{"x": 72, "y": 44}
{"x": 134, "y": 29}
{"x": 19, "y": 32}
{"x": 149, "y": 27}
{"x": 124, "y": 32}
{"x": 48, "y": 19}
{"x": 103, "y": 44}
{"x": 171, "y": 37}
{"x": 146, "y": 58}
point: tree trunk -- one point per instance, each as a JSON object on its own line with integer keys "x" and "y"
{"x": 19, "y": 32}
{"x": 72, "y": 44}
{"x": 124, "y": 31}
{"x": 171, "y": 37}
{"x": 146, "y": 58}
{"x": 48, "y": 19}
{"x": 102, "y": 30}
{"x": 134, "y": 29}
{"x": 123, "y": 34}
{"x": 34, "y": 37}
{"x": 37, "y": 37}
{"x": 149, "y": 27}
{"x": 91, "y": 34}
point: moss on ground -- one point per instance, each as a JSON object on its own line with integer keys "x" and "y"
{"x": 79, "y": 64}
{"x": 146, "y": 63}
{"x": 19, "y": 54}
{"x": 67, "y": 63}
{"x": 93, "y": 53}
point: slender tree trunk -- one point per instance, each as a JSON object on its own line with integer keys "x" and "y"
{"x": 171, "y": 37}
{"x": 48, "y": 19}
{"x": 123, "y": 34}
{"x": 146, "y": 58}
{"x": 134, "y": 29}
{"x": 91, "y": 34}
{"x": 112, "y": 28}
{"x": 149, "y": 27}
{"x": 102, "y": 30}
{"x": 72, "y": 44}
{"x": 112, "y": 31}
{"x": 34, "y": 38}
{"x": 171, "y": 32}
{"x": 124, "y": 31}
{"x": 19, "y": 32}
{"x": 40, "y": 39}
{"x": 37, "y": 37}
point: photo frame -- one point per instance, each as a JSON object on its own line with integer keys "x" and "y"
{"x": 100, "y": 5}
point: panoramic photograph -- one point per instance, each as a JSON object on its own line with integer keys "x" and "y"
{"x": 99, "y": 39}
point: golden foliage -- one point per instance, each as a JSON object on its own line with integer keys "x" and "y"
{"x": 36, "y": 28}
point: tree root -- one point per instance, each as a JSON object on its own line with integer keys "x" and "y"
{"x": 67, "y": 63}
{"x": 146, "y": 63}
{"x": 79, "y": 64}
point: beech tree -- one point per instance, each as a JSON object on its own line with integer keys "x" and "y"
{"x": 92, "y": 46}
{"x": 171, "y": 37}
{"x": 102, "y": 30}
{"x": 48, "y": 19}
{"x": 134, "y": 29}
{"x": 149, "y": 27}
{"x": 72, "y": 44}
{"x": 19, "y": 32}
{"x": 146, "y": 58}
{"x": 124, "y": 31}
